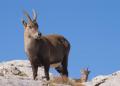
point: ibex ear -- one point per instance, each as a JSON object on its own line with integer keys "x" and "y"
{"x": 24, "y": 23}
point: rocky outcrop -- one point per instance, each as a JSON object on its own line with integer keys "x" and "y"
{"x": 105, "y": 80}
{"x": 19, "y": 73}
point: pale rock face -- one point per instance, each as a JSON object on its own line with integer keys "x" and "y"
{"x": 19, "y": 73}
{"x": 105, "y": 80}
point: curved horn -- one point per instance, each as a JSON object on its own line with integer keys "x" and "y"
{"x": 34, "y": 15}
{"x": 28, "y": 17}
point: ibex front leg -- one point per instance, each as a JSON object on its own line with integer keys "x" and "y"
{"x": 34, "y": 69}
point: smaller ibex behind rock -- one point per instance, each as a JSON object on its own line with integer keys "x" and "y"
{"x": 84, "y": 75}
{"x": 46, "y": 51}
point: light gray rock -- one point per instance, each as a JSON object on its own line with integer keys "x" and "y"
{"x": 19, "y": 73}
{"x": 105, "y": 80}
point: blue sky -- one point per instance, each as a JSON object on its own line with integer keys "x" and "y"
{"x": 91, "y": 26}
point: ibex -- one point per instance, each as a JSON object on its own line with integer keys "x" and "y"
{"x": 46, "y": 51}
{"x": 84, "y": 75}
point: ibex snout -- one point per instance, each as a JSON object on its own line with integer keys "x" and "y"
{"x": 36, "y": 35}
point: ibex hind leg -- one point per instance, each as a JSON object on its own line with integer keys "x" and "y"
{"x": 64, "y": 66}
{"x": 64, "y": 69}
{"x": 65, "y": 59}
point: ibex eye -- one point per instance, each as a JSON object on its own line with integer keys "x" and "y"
{"x": 30, "y": 27}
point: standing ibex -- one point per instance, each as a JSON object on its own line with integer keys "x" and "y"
{"x": 46, "y": 51}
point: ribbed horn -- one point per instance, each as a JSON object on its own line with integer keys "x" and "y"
{"x": 34, "y": 15}
{"x": 28, "y": 17}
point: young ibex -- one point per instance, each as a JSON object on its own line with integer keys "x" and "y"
{"x": 84, "y": 75}
{"x": 46, "y": 51}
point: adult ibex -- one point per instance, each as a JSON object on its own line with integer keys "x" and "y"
{"x": 46, "y": 51}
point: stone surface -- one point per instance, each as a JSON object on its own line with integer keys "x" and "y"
{"x": 19, "y": 73}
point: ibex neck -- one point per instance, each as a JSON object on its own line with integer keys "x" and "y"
{"x": 27, "y": 42}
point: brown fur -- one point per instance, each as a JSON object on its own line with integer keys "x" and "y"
{"x": 45, "y": 50}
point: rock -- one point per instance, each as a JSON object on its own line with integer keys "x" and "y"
{"x": 19, "y": 73}
{"x": 105, "y": 80}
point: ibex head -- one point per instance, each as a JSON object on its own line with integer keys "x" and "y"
{"x": 31, "y": 27}
{"x": 85, "y": 71}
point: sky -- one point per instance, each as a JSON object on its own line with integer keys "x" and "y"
{"x": 91, "y": 26}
